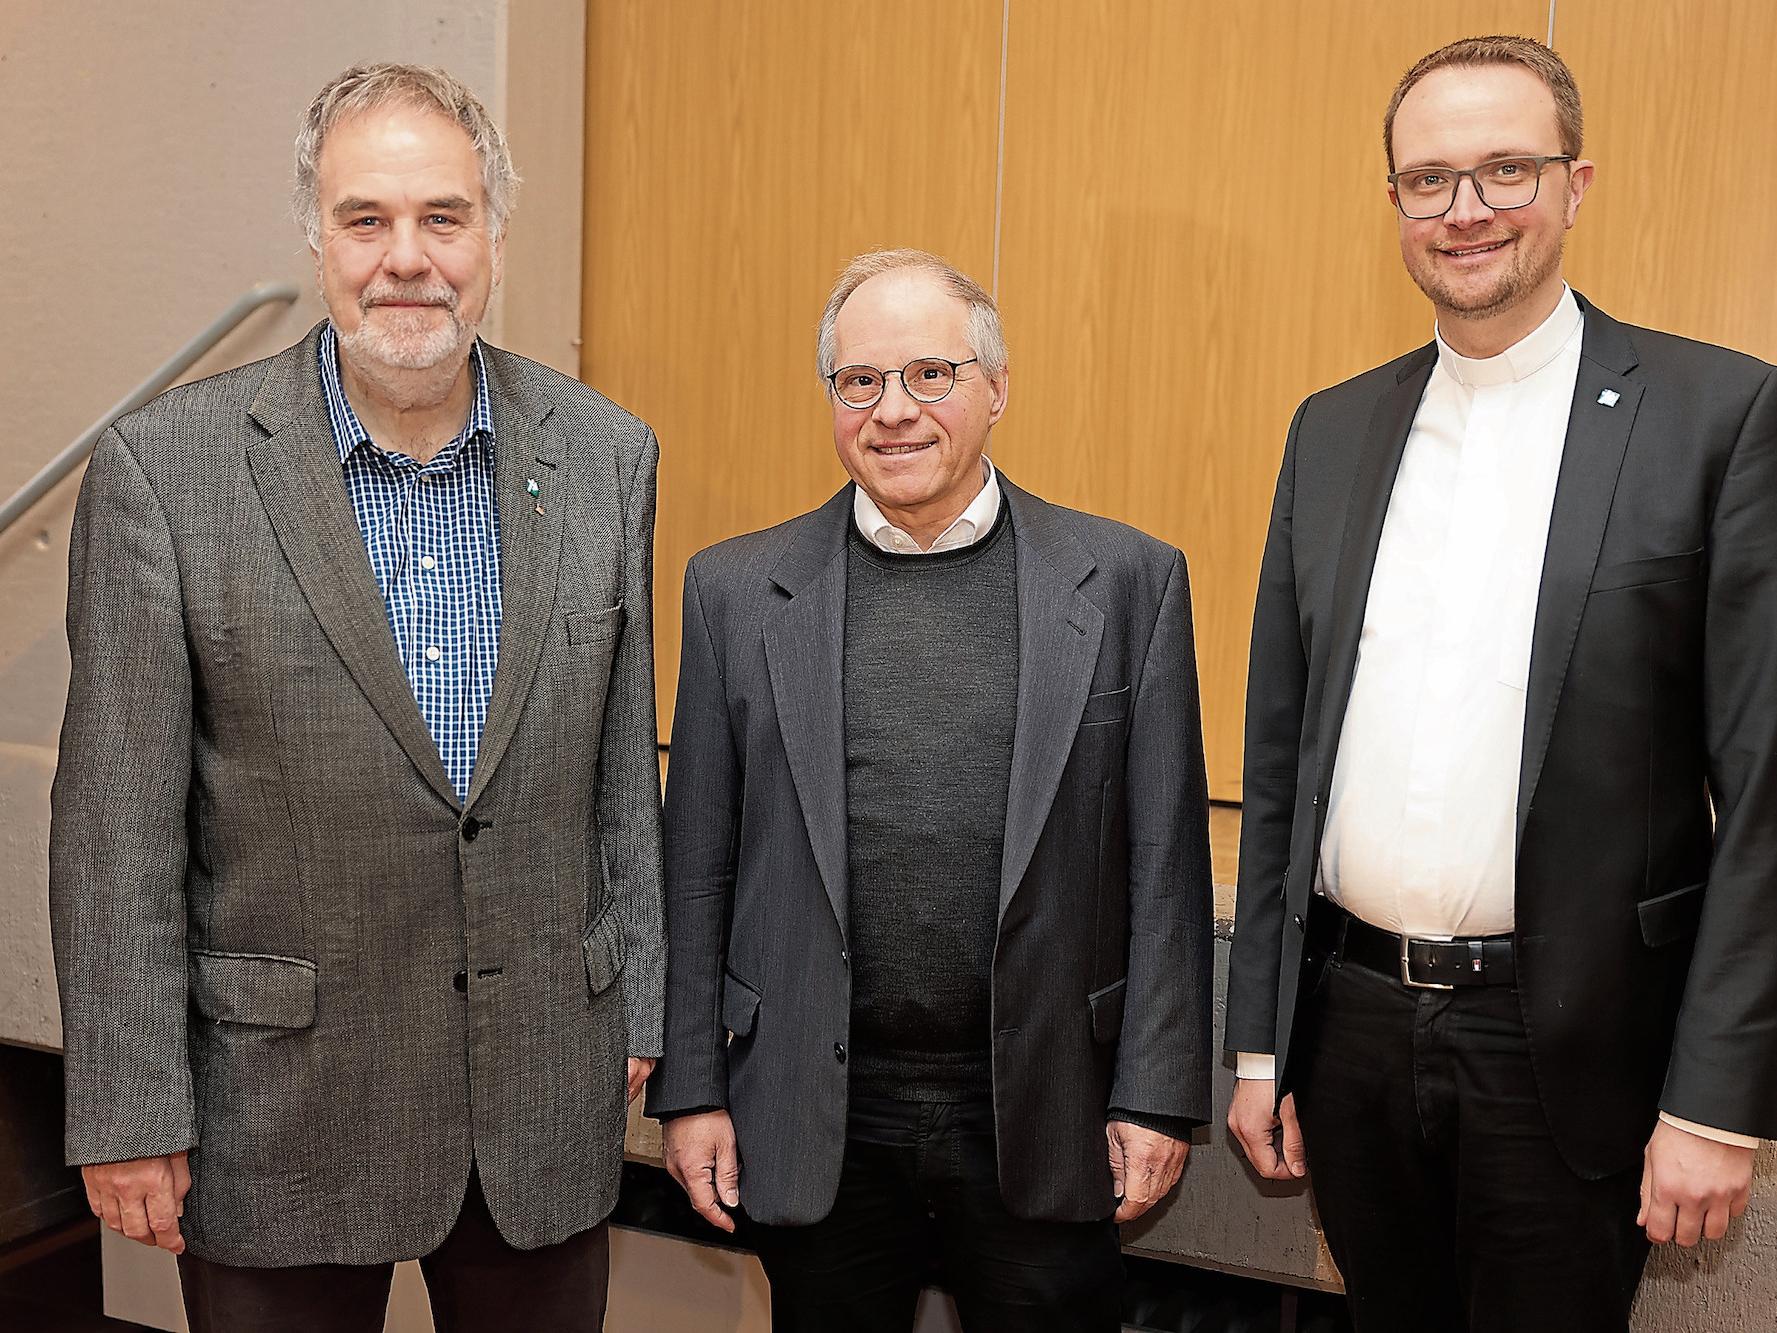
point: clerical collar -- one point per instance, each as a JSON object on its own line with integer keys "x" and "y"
{"x": 1523, "y": 358}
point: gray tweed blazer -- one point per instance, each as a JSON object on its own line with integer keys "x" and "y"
{"x": 280, "y": 941}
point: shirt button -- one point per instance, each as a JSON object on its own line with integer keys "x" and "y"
{"x": 427, "y": 562}
{"x": 839, "y": 1051}
{"x": 433, "y": 654}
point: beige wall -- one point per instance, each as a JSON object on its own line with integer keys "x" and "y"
{"x": 147, "y": 165}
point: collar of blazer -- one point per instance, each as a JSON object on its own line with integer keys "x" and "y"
{"x": 295, "y": 466}
{"x": 1059, "y": 631}
{"x": 1591, "y": 460}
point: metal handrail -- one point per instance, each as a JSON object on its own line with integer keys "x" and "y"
{"x": 265, "y": 293}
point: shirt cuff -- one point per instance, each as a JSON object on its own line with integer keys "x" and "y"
{"x": 1710, "y": 1132}
{"x": 1248, "y": 1064}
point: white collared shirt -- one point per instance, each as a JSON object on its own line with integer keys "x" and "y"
{"x": 969, "y": 527}
{"x": 1421, "y": 826}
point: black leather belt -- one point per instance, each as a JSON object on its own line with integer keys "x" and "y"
{"x": 1484, "y": 960}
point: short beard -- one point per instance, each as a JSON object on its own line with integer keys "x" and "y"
{"x": 408, "y": 340}
{"x": 1512, "y": 286}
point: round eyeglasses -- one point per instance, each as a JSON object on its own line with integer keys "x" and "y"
{"x": 1502, "y": 184}
{"x": 929, "y": 379}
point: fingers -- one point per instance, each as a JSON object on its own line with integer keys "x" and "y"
{"x": 1253, "y": 1124}
{"x": 141, "y": 1199}
{"x": 1715, "y": 1223}
{"x": 1145, "y": 1165}
{"x": 728, "y": 1171}
{"x": 701, "y": 1154}
{"x": 1115, "y": 1147}
{"x": 1295, "y": 1156}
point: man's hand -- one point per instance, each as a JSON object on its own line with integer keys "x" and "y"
{"x": 702, "y": 1156}
{"x": 1145, "y": 1164}
{"x": 1691, "y": 1186}
{"x": 1255, "y": 1124}
{"x": 144, "y": 1198}
{"x": 636, "y": 1074}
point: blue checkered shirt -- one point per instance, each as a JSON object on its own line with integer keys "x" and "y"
{"x": 432, "y": 532}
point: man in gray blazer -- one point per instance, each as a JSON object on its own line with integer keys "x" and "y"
{"x": 354, "y": 862}
{"x": 938, "y": 884}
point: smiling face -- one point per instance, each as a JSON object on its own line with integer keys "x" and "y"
{"x": 1486, "y": 267}
{"x": 407, "y": 259}
{"x": 920, "y": 462}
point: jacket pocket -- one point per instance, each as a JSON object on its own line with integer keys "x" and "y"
{"x": 1654, "y": 569}
{"x": 261, "y": 990}
{"x": 740, "y": 1005}
{"x": 1671, "y": 916}
{"x": 588, "y": 627}
{"x": 603, "y": 949}
{"x": 1107, "y": 1011}
{"x": 1110, "y": 706}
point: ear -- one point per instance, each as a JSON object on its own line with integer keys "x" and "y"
{"x": 1001, "y": 385}
{"x": 1579, "y": 180}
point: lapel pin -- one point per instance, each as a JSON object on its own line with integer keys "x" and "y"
{"x": 1609, "y": 397}
{"x": 534, "y": 491}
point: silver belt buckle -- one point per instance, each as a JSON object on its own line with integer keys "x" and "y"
{"x": 1407, "y": 971}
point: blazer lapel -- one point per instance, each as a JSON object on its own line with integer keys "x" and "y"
{"x": 525, "y": 443}
{"x": 805, "y": 653}
{"x": 1385, "y": 441}
{"x": 296, "y": 468}
{"x": 1058, "y": 637}
{"x": 1591, "y": 461}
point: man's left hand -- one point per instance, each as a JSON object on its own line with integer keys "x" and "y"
{"x": 638, "y": 1071}
{"x": 1145, "y": 1164}
{"x": 1691, "y": 1186}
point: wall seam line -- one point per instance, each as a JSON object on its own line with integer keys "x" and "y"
{"x": 1550, "y": 42}
{"x": 999, "y": 172}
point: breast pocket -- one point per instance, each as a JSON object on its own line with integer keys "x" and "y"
{"x": 1647, "y": 571}
{"x": 588, "y": 629}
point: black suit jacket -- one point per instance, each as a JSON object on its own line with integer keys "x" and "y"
{"x": 1101, "y": 977}
{"x": 1646, "y": 939}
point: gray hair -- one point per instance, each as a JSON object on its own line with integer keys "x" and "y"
{"x": 986, "y": 338}
{"x": 368, "y": 87}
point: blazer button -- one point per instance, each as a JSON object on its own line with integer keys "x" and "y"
{"x": 471, "y": 828}
{"x": 1299, "y": 925}
{"x": 839, "y": 1051}
{"x": 461, "y": 982}
{"x": 845, "y": 955}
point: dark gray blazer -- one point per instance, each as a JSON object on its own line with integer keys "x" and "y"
{"x": 1101, "y": 979}
{"x": 1646, "y": 934}
{"x": 279, "y": 941}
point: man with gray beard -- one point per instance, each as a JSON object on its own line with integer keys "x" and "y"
{"x": 355, "y": 850}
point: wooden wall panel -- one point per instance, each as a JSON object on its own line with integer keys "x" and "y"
{"x": 736, "y": 157}
{"x": 1196, "y": 235}
{"x": 1681, "y": 116}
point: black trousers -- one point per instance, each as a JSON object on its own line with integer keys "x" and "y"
{"x": 920, "y": 1183}
{"x": 1443, "y": 1198}
{"x": 475, "y": 1281}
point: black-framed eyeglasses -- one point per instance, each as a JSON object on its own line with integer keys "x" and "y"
{"x": 929, "y": 379}
{"x": 1504, "y": 183}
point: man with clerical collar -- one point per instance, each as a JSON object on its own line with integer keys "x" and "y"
{"x": 1505, "y": 966}
{"x": 355, "y": 859}
{"x": 938, "y": 890}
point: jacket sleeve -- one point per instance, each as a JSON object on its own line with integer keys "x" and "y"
{"x": 1276, "y": 693}
{"x": 117, "y": 845}
{"x": 1163, "y": 1056}
{"x": 629, "y": 771}
{"x": 1723, "y": 1071}
{"x": 703, "y": 790}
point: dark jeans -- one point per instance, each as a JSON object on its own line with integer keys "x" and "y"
{"x": 475, "y": 1280}
{"x": 920, "y": 1180}
{"x": 1444, "y": 1200}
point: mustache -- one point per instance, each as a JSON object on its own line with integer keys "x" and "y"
{"x": 441, "y": 294}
